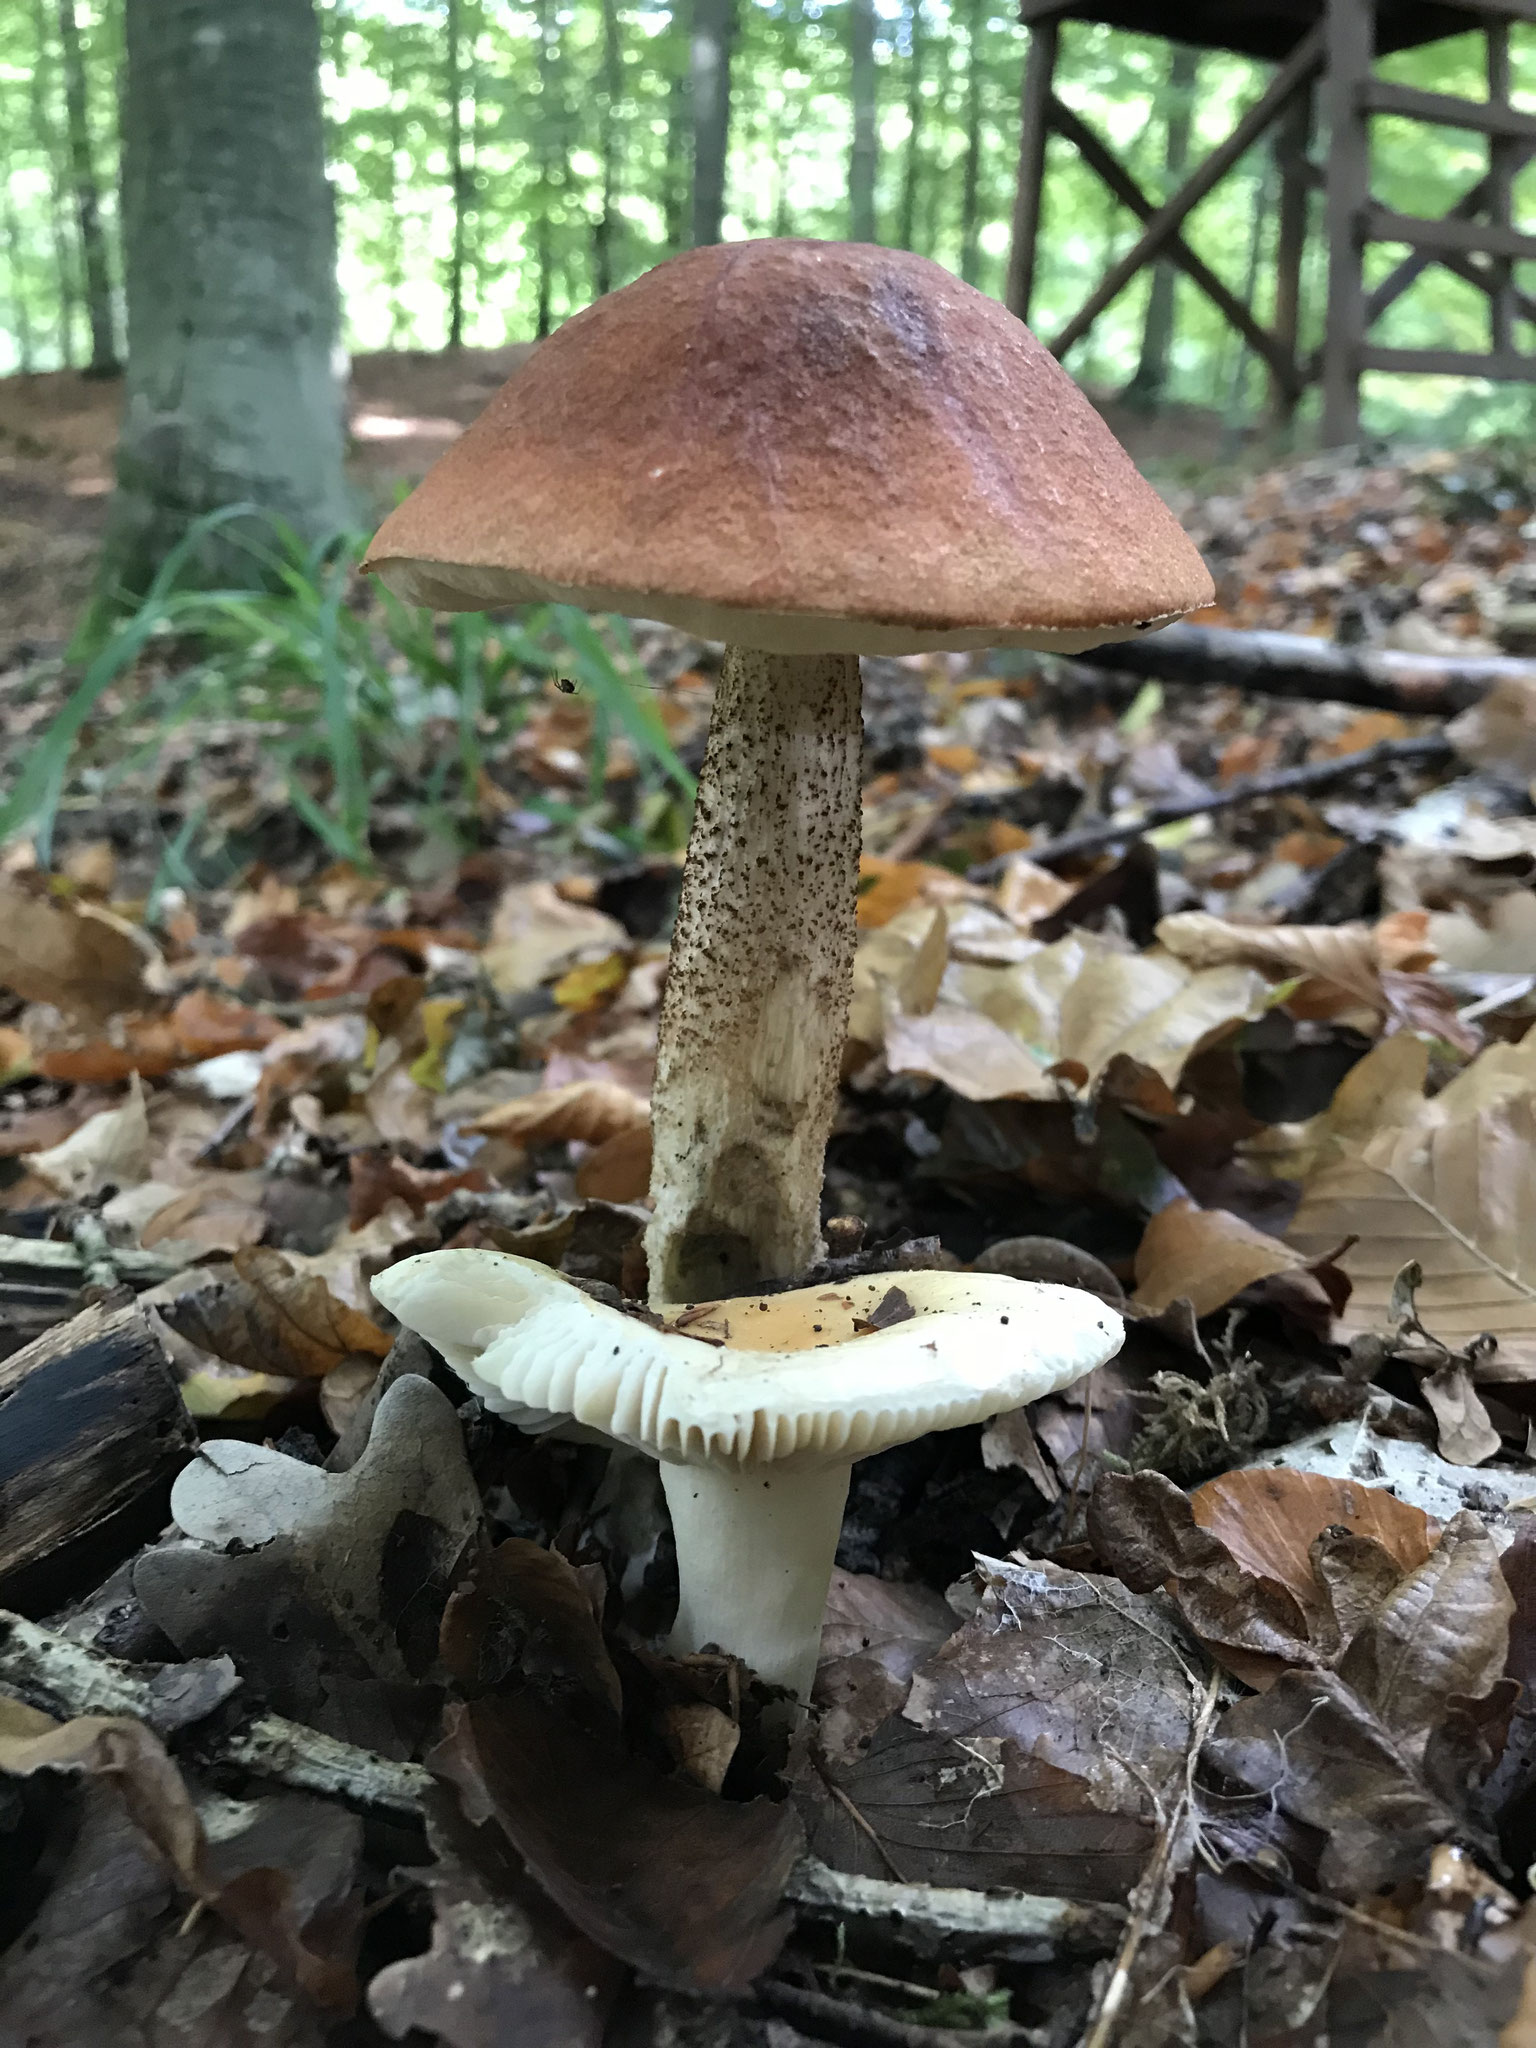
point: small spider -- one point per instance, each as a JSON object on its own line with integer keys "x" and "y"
{"x": 565, "y": 685}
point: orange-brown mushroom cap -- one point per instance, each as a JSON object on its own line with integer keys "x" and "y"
{"x": 799, "y": 446}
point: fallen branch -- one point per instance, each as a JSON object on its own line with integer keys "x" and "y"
{"x": 1294, "y": 665}
{"x": 64, "y": 1677}
{"x": 61, "y": 1262}
{"x": 949, "y": 1914}
{"x": 1428, "y": 751}
{"x": 59, "y": 1675}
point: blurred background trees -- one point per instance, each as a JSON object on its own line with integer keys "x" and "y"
{"x": 495, "y": 166}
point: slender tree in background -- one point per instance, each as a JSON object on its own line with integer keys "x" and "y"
{"x": 864, "y": 156}
{"x": 935, "y": 184}
{"x": 65, "y": 257}
{"x": 547, "y": 127}
{"x": 21, "y": 308}
{"x": 82, "y": 164}
{"x": 714, "y": 36}
{"x": 1148, "y": 388}
{"x": 917, "y": 45}
{"x": 610, "y": 92}
{"x": 970, "y": 183}
{"x": 458, "y": 172}
{"x": 230, "y": 259}
{"x": 677, "y": 154}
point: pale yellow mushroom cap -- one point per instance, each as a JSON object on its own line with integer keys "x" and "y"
{"x": 797, "y": 1378}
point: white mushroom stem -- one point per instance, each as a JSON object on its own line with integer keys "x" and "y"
{"x": 755, "y": 1550}
{"x": 760, "y": 980}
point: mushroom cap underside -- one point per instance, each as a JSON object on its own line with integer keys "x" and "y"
{"x": 803, "y": 447}
{"x": 811, "y": 1378}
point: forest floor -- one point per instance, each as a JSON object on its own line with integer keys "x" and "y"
{"x": 1190, "y": 1705}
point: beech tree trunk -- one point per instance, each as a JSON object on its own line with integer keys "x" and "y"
{"x": 233, "y": 392}
{"x": 917, "y": 30}
{"x": 65, "y": 256}
{"x": 610, "y": 91}
{"x": 864, "y": 156}
{"x": 970, "y": 187}
{"x": 21, "y": 314}
{"x": 543, "y": 226}
{"x": 1148, "y": 387}
{"x": 458, "y": 172}
{"x": 82, "y": 164}
{"x": 714, "y": 34}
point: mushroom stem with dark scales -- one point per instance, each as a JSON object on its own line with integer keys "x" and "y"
{"x": 760, "y": 979}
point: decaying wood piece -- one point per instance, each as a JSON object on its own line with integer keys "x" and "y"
{"x": 1293, "y": 665}
{"x": 92, "y": 1432}
{"x": 62, "y": 1676}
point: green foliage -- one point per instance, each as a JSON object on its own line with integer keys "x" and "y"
{"x": 537, "y": 117}
{"x": 353, "y": 692}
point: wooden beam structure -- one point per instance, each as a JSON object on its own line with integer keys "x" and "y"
{"x": 1324, "y": 54}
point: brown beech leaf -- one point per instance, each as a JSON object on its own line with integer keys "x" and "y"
{"x": 684, "y": 1885}
{"x": 874, "y": 1635}
{"x": 1204, "y": 1256}
{"x": 376, "y": 1177}
{"x": 1381, "y": 1755}
{"x": 618, "y": 1170}
{"x": 1465, "y": 1434}
{"x": 1268, "y": 1517}
{"x": 1143, "y": 1526}
{"x": 261, "y": 1895}
{"x": 83, "y": 960}
{"x": 504, "y": 1966}
{"x": 1450, "y": 1182}
{"x": 1032, "y": 1748}
{"x": 589, "y": 1111}
{"x": 272, "y": 1318}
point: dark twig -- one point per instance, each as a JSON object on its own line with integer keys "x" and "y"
{"x": 860, "y": 2026}
{"x": 1295, "y": 665}
{"x": 1427, "y": 751}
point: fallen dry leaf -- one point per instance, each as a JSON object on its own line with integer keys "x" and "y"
{"x": 316, "y": 1941}
{"x": 272, "y": 1318}
{"x": 590, "y": 1112}
{"x": 536, "y": 934}
{"x": 377, "y": 1177}
{"x": 76, "y": 956}
{"x": 1032, "y": 1748}
{"x": 1449, "y": 1182}
{"x": 1203, "y": 1256}
{"x": 619, "y": 1170}
{"x": 109, "y": 1149}
{"x": 1269, "y": 1517}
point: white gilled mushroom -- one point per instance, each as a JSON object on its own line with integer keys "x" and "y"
{"x": 811, "y": 451}
{"x": 756, "y": 1408}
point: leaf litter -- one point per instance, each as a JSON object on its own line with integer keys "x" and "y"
{"x": 1190, "y": 1705}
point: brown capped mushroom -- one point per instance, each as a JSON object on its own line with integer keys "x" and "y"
{"x": 809, "y": 450}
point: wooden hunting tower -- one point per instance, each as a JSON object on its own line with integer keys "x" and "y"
{"x": 1324, "y": 52}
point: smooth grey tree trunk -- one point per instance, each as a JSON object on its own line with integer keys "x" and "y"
{"x": 864, "y": 156}
{"x": 547, "y": 124}
{"x": 911, "y": 170}
{"x": 458, "y": 173}
{"x": 234, "y": 392}
{"x": 714, "y": 34}
{"x": 82, "y": 164}
{"x": 678, "y": 154}
{"x": 610, "y": 91}
{"x": 970, "y": 183}
{"x": 1149, "y": 386}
